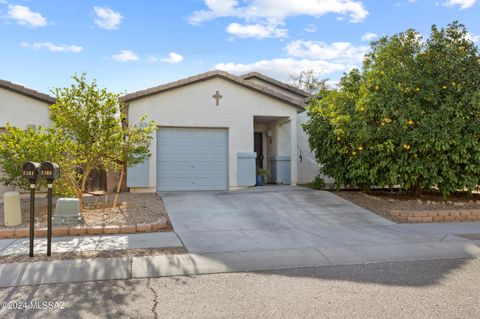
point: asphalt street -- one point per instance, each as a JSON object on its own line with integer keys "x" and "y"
{"x": 419, "y": 289}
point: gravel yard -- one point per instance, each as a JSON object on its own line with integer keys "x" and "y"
{"x": 382, "y": 202}
{"x": 131, "y": 209}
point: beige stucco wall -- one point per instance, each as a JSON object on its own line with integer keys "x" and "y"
{"x": 20, "y": 111}
{"x": 193, "y": 106}
{"x": 308, "y": 168}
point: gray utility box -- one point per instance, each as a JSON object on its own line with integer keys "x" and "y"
{"x": 280, "y": 170}
{"x": 246, "y": 175}
{"x": 67, "y": 212}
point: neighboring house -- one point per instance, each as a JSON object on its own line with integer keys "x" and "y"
{"x": 23, "y": 108}
{"x": 216, "y": 129}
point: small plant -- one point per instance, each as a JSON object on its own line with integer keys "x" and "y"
{"x": 263, "y": 172}
{"x": 262, "y": 175}
{"x": 318, "y": 183}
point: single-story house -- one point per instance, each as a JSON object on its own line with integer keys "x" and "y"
{"x": 23, "y": 108}
{"x": 216, "y": 129}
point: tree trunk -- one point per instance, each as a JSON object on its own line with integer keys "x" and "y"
{"x": 119, "y": 185}
{"x": 83, "y": 185}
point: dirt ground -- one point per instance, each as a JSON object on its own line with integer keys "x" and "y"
{"x": 130, "y": 209}
{"x": 382, "y": 202}
{"x": 95, "y": 254}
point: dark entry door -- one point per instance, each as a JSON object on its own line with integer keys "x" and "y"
{"x": 258, "y": 148}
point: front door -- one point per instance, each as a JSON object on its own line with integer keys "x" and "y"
{"x": 258, "y": 148}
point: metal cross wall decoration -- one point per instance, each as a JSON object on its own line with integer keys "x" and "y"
{"x": 217, "y": 97}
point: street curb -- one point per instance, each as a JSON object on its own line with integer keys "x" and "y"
{"x": 53, "y": 272}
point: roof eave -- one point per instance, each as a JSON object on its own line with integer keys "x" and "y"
{"x": 276, "y": 83}
{"x": 207, "y": 76}
{"x": 19, "y": 89}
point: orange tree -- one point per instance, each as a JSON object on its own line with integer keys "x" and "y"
{"x": 409, "y": 117}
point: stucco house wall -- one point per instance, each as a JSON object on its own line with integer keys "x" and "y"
{"x": 308, "y": 168}
{"x": 21, "y": 110}
{"x": 193, "y": 106}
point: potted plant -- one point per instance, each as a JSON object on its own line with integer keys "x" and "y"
{"x": 262, "y": 175}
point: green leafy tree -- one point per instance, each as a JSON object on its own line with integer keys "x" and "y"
{"x": 89, "y": 117}
{"x": 89, "y": 130}
{"x": 18, "y": 146}
{"x": 410, "y": 117}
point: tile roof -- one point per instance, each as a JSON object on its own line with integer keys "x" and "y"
{"x": 276, "y": 83}
{"x": 298, "y": 103}
{"x": 27, "y": 92}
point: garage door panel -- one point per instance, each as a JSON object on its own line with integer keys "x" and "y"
{"x": 191, "y": 159}
{"x": 185, "y": 166}
{"x": 191, "y": 173}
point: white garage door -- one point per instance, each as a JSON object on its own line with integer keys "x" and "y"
{"x": 191, "y": 159}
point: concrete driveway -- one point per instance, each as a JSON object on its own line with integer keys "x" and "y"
{"x": 279, "y": 217}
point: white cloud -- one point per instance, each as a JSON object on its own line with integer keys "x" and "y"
{"x": 125, "y": 56}
{"x": 24, "y": 16}
{"x": 473, "y": 37}
{"x": 52, "y": 47}
{"x": 339, "y": 52}
{"x": 106, "y": 18}
{"x": 281, "y": 68}
{"x": 277, "y": 11}
{"x": 464, "y": 4}
{"x": 258, "y": 31}
{"x": 173, "y": 58}
{"x": 323, "y": 58}
{"x": 369, "y": 36}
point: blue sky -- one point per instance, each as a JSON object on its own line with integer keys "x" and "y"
{"x": 133, "y": 45}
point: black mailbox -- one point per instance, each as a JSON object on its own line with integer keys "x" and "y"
{"x": 50, "y": 171}
{"x": 31, "y": 171}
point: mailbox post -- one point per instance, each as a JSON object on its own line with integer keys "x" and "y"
{"x": 31, "y": 171}
{"x": 50, "y": 171}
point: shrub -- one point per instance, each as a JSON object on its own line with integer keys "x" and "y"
{"x": 318, "y": 183}
{"x": 410, "y": 117}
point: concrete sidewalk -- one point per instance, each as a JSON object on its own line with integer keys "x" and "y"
{"x": 62, "y": 271}
{"x": 91, "y": 243}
